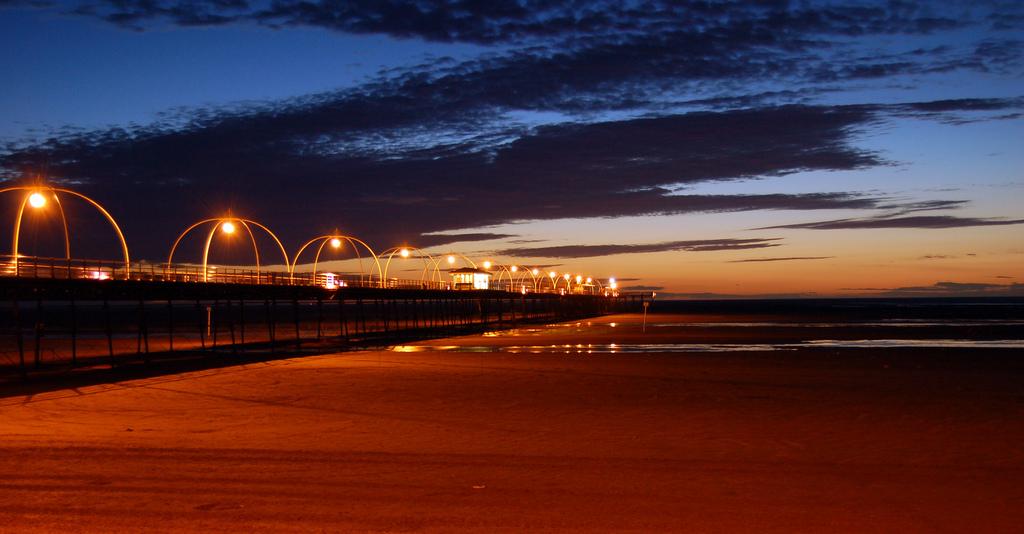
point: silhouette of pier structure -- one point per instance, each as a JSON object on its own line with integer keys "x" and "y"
{"x": 62, "y": 313}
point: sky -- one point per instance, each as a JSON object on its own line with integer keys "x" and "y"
{"x": 698, "y": 149}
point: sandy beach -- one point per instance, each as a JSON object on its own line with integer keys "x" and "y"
{"x": 581, "y": 426}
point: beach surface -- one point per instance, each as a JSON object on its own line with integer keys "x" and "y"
{"x": 598, "y": 425}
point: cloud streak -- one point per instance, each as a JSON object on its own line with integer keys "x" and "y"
{"x": 919, "y": 222}
{"x": 609, "y": 169}
{"x": 514, "y": 22}
{"x": 790, "y": 258}
{"x": 585, "y": 251}
{"x": 636, "y": 101}
{"x": 950, "y": 289}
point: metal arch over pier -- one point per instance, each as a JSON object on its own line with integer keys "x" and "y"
{"x": 335, "y": 238}
{"x": 57, "y": 313}
{"x": 35, "y": 193}
{"x": 406, "y": 251}
{"x": 226, "y": 224}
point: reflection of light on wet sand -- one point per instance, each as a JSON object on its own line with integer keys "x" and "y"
{"x": 638, "y": 348}
{"x": 850, "y": 324}
{"x": 926, "y": 343}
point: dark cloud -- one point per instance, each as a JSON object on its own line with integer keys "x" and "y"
{"x": 1006, "y": 21}
{"x": 960, "y": 289}
{"x": 509, "y": 22}
{"x": 933, "y": 221}
{"x": 926, "y": 205}
{"x": 613, "y": 55}
{"x": 289, "y": 166}
{"x": 963, "y": 104}
{"x": 735, "y": 296}
{"x": 433, "y": 240}
{"x": 963, "y": 111}
{"x": 442, "y": 146}
{"x": 791, "y": 258}
{"x": 263, "y": 164}
{"x": 26, "y": 3}
{"x": 586, "y": 251}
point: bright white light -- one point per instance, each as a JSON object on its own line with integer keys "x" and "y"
{"x": 611, "y": 280}
{"x": 589, "y": 280}
{"x": 404, "y": 252}
{"x": 335, "y": 243}
{"x": 228, "y": 227}
{"x": 579, "y": 278}
{"x": 514, "y": 268}
{"x": 552, "y": 274}
{"x": 451, "y": 260}
{"x": 566, "y": 276}
{"x": 36, "y": 200}
{"x": 487, "y": 265}
{"x": 536, "y": 272}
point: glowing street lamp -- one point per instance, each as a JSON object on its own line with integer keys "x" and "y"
{"x": 487, "y": 264}
{"x": 36, "y": 200}
{"x": 430, "y": 265}
{"x": 335, "y": 241}
{"x": 536, "y": 272}
{"x": 513, "y": 268}
{"x": 451, "y": 260}
{"x": 228, "y": 225}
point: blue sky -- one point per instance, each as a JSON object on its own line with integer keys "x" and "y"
{"x": 651, "y": 134}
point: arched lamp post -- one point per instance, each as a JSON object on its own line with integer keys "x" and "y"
{"x": 452, "y": 257}
{"x": 534, "y": 274}
{"x": 37, "y": 199}
{"x": 407, "y": 251}
{"x": 227, "y": 225}
{"x": 335, "y": 242}
{"x": 509, "y": 270}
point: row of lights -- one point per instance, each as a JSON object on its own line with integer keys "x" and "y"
{"x": 228, "y": 227}
{"x": 514, "y": 268}
{"x": 38, "y": 200}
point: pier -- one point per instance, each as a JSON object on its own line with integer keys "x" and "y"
{"x": 53, "y": 322}
{"x": 67, "y": 313}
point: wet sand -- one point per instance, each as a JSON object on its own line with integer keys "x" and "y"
{"x": 560, "y": 437}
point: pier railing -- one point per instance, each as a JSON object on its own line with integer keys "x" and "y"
{"x": 59, "y": 323}
{"x": 85, "y": 269}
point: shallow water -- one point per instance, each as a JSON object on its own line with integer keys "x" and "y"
{"x": 900, "y": 323}
{"x": 636, "y": 348}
